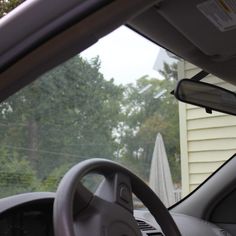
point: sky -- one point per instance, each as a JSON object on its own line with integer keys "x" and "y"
{"x": 125, "y": 56}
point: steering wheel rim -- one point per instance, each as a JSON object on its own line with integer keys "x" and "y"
{"x": 68, "y": 189}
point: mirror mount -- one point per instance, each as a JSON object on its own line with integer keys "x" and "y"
{"x": 208, "y": 110}
{"x": 199, "y": 76}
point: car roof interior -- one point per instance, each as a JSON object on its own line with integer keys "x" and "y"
{"x": 77, "y": 25}
{"x": 31, "y": 47}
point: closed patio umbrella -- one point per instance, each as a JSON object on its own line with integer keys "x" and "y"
{"x": 160, "y": 176}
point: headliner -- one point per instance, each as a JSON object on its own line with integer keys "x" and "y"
{"x": 29, "y": 49}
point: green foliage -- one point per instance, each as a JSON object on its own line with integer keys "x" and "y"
{"x": 72, "y": 113}
{"x": 6, "y": 6}
{"x": 66, "y": 116}
{"x": 51, "y": 182}
{"x": 146, "y": 116}
{"x": 169, "y": 71}
{"x": 16, "y": 174}
{"x": 137, "y": 166}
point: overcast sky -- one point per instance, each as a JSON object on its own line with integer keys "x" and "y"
{"x": 125, "y": 56}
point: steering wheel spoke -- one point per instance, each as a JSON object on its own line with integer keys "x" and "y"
{"x": 116, "y": 188}
{"x": 81, "y": 200}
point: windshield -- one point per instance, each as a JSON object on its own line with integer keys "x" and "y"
{"x": 112, "y": 101}
{"x": 6, "y": 6}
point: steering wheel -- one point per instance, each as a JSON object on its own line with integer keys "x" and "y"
{"x": 108, "y": 212}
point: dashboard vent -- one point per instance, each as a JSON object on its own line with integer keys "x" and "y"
{"x": 143, "y": 226}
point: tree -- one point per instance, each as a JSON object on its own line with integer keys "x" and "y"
{"x": 169, "y": 71}
{"x": 8, "y": 5}
{"x": 146, "y": 115}
{"x": 16, "y": 174}
{"x": 65, "y": 116}
{"x": 72, "y": 113}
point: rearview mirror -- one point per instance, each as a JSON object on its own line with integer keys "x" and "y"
{"x": 206, "y": 95}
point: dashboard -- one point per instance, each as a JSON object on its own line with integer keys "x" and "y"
{"x": 27, "y": 215}
{"x": 30, "y": 214}
{"x": 30, "y": 220}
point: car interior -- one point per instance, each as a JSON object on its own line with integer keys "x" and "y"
{"x": 39, "y": 35}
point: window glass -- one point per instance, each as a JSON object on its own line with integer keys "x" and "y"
{"x": 111, "y": 101}
{"x": 8, "y": 5}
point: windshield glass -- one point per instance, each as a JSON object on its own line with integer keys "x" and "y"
{"x": 6, "y": 6}
{"x": 112, "y": 101}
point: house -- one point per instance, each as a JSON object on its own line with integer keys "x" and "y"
{"x": 207, "y": 140}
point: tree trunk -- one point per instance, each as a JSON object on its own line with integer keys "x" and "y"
{"x": 33, "y": 143}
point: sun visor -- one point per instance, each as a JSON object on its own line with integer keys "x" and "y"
{"x": 183, "y": 28}
{"x": 210, "y": 25}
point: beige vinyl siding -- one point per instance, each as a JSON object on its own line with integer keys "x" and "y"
{"x": 207, "y": 140}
